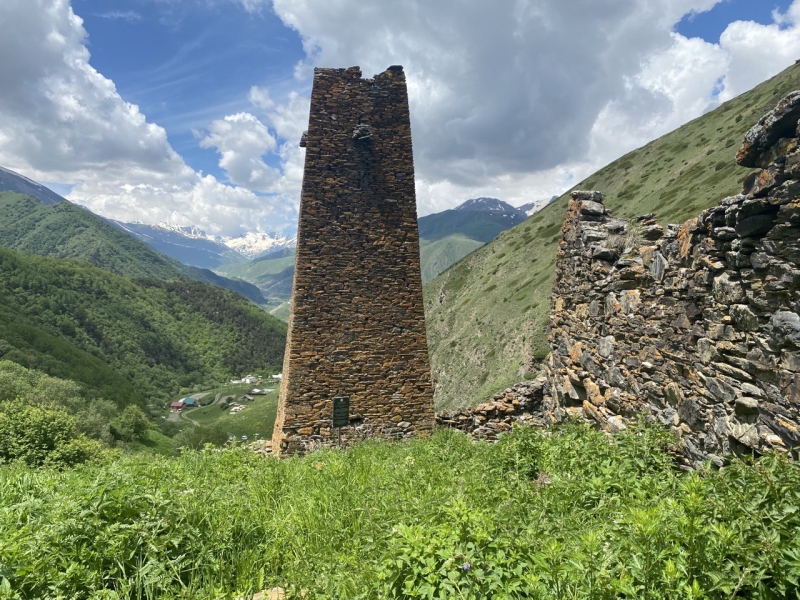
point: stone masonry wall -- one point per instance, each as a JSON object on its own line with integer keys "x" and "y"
{"x": 698, "y": 326}
{"x": 357, "y": 324}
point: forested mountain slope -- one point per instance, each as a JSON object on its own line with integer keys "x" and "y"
{"x": 487, "y": 315}
{"x": 64, "y": 230}
{"x": 140, "y": 338}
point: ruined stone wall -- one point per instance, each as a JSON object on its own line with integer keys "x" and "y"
{"x": 357, "y": 324}
{"x": 698, "y": 326}
{"x": 520, "y": 404}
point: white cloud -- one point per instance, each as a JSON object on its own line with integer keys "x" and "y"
{"x": 521, "y": 99}
{"x": 259, "y": 97}
{"x": 59, "y": 115}
{"x": 241, "y": 141}
{"x": 516, "y": 100}
{"x": 205, "y": 202}
{"x": 62, "y": 121}
{"x": 760, "y": 51}
{"x": 125, "y": 15}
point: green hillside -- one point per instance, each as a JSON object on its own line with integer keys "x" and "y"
{"x": 536, "y": 515}
{"x": 437, "y": 255}
{"x": 487, "y": 315}
{"x": 272, "y": 274}
{"x": 65, "y": 230}
{"x": 137, "y": 338}
{"x": 479, "y": 225}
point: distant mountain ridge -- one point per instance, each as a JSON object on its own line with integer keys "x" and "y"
{"x": 261, "y": 264}
{"x": 536, "y": 205}
{"x": 65, "y": 230}
{"x": 14, "y": 182}
{"x": 193, "y": 246}
{"x": 450, "y": 235}
{"x": 487, "y": 205}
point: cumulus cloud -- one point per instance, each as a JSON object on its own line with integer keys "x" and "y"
{"x": 59, "y": 115}
{"x": 62, "y": 121}
{"x": 521, "y": 99}
{"x": 517, "y": 100}
{"x": 241, "y": 141}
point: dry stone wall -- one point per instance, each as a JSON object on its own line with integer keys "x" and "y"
{"x": 696, "y": 326}
{"x": 357, "y": 326}
{"x": 520, "y": 404}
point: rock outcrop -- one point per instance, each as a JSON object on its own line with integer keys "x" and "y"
{"x": 696, "y": 326}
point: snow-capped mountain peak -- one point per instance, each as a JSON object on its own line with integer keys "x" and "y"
{"x": 249, "y": 245}
{"x": 189, "y": 231}
{"x": 253, "y": 244}
{"x": 536, "y": 205}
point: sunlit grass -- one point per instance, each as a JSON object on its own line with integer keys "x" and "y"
{"x": 570, "y": 514}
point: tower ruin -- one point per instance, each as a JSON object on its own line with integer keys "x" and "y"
{"x": 357, "y": 325}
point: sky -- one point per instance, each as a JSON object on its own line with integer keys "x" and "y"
{"x": 190, "y": 111}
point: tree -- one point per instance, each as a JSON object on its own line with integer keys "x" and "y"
{"x": 131, "y": 425}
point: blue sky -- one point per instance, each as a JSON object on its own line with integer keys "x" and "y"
{"x": 709, "y": 25}
{"x": 190, "y": 111}
{"x": 186, "y": 65}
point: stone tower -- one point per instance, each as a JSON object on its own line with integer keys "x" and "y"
{"x": 357, "y": 326}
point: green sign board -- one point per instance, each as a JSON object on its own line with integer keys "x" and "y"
{"x": 341, "y": 411}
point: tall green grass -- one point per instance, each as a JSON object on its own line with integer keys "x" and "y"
{"x": 565, "y": 514}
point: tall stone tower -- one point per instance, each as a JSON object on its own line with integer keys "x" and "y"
{"x": 357, "y": 326}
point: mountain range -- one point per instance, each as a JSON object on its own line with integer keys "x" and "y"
{"x": 65, "y": 230}
{"x": 193, "y": 246}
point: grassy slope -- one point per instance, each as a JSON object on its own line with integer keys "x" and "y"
{"x": 437, "y": 255}
{"x": 65, "y": 230}
{"x": 272, "y": 274}
{"x": 487, "y": 315}
{"x": 159, "y": 335}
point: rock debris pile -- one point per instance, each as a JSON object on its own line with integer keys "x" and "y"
{"x": 520, "y": 404}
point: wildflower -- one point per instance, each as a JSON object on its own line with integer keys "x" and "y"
{"x": 410, "y": 461}
{"x": 466, "y": 567}
{"x": 319, "y": 466}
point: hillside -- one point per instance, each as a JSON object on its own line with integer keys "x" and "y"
{"x": 438, "y": 255}
{"x": 271, "y": 273}
{"x": 533, "y": 516}
{"x": 487, "y": 315}
{"x": 156, "y": 335}
{"x": 64, "y": 230}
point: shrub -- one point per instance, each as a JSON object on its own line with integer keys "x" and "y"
{"x": 39, "y": 435}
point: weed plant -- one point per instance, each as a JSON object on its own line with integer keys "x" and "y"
{"x": 568, "y": 513}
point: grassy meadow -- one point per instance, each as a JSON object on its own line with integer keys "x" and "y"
{"x": 565, "y": 514}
